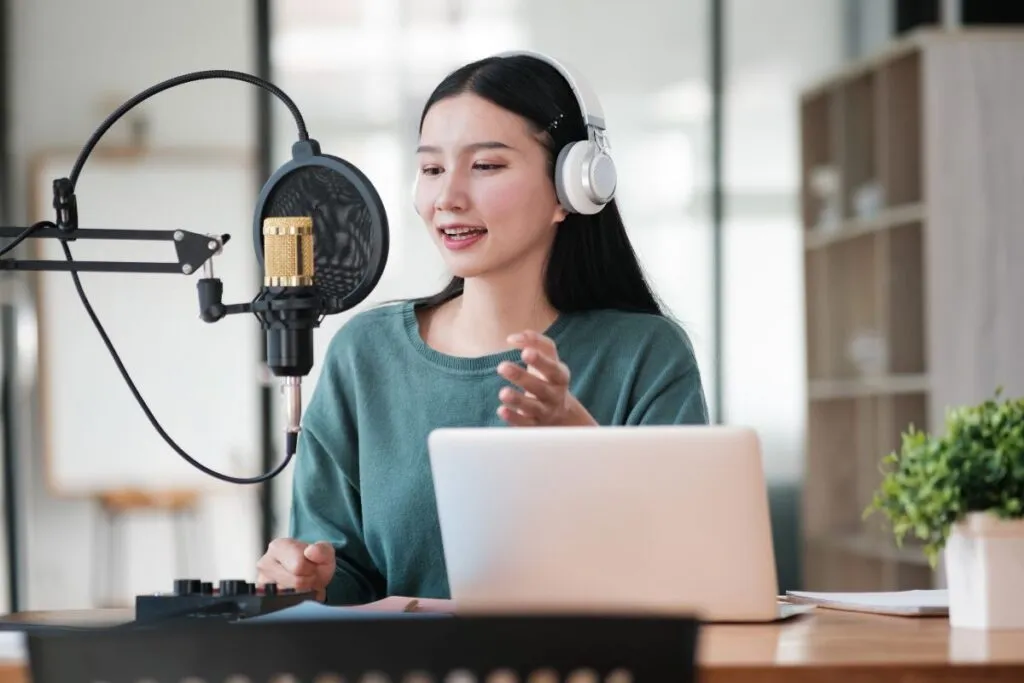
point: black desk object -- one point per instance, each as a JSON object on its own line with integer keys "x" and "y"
{"x": 641, "y": 649}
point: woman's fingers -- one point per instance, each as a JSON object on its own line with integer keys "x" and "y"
{"x": 544, "y": 382}
{"x": 285, "y": 564}
{"x": 514, "y": 418}
{"x": 549, "y": 367}
{"x": 528, "y": 381}
{"x": 275, "y": 572}
{"x": 528, "y": 407}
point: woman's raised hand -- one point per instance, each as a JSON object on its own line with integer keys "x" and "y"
{"x": 543, "y": 397}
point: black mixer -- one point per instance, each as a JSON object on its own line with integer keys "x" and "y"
{"x": 231, "y": 599}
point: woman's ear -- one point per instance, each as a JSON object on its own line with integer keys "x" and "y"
{"x": 560, "y": 214}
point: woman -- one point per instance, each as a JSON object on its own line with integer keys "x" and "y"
{"x": 535, "y": 284}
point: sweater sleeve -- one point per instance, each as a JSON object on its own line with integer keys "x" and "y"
{"x": 325, "y": 493}
{"x": 675, "y": 400}
{"x": 669, "y": 389}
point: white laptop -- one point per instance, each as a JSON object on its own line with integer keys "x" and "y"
{"x": 662, "y": 519}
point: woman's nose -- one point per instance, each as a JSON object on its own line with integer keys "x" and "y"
{"x": 451, "y": 194}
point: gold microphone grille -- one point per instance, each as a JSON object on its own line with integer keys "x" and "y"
{"x": 288, "y": 251}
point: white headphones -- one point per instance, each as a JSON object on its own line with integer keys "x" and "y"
{"x": 585, "y": 175}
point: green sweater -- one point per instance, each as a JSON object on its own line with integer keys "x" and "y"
{"x": 362, "y": 475}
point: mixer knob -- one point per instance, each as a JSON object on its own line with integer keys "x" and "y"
{"x": 187, "y": 586}
{"x": 234, "y": 587}
{"x": 270, "y": 589}
{"x": 206, "y": 588}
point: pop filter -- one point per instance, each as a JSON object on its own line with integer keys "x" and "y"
{"x": 350, "y": 226}
{"x": 321, "y": 237}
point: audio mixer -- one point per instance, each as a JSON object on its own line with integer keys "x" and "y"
{"x": 231, "y": 599}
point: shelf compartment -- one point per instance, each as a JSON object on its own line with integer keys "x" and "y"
{"x": 816, "y": 315}
{"x": 865, "y": 309}
{"x": 855, "y": 326}
{"x": 821, "y": 198}
{"x": 904, "y": 299}
{"x": 848, "y": 438}
{"x": 834, "y": 429}
{"x": 861, "y": 182}
{"x": 901, "y": 124}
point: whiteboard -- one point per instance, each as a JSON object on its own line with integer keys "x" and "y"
{"x": 200, "y": 380}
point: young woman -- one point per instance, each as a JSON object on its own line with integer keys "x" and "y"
{"x": 548, "y": 320}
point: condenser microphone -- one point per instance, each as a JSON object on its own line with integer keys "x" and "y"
{"x": 288, "y": 281}
{"x": 321, "y": 235}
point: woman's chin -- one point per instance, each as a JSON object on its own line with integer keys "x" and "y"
{"x": 466, "y": 264}
{"x": 466, "y": 270}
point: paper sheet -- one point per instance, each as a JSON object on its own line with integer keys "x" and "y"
{"x": 311, "y": 610}
{"x": 906, "y": 603}
{"x": 13, "y": 646}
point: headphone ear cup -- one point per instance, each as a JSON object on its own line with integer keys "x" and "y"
{"x": 573, "y": 173}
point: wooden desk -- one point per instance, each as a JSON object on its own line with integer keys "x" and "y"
{"x": 822, "y": 646}
{"x": 827, "y": 645}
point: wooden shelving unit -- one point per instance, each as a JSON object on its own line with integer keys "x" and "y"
{"x": 913, "y": 210}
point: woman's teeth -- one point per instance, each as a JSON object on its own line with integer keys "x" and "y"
{"x": 462, "y": 233}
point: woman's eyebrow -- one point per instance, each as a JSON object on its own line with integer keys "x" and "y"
{"x": 473, "y": 146}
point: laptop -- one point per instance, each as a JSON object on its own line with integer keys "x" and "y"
{"x": 652, "y": 519}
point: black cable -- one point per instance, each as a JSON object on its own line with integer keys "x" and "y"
{"x": 179, "y": 80}
{"x": 76, "y": 171}
{"x": 145, "y": 408}
{"x": 26, "y": 233}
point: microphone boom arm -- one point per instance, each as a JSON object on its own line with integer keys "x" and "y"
{"x": 194, "y": 250}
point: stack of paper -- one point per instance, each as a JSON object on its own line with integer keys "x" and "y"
{"x": 919, "y": 603}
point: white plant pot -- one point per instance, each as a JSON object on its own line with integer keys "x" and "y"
{"x": 984, "y": 558}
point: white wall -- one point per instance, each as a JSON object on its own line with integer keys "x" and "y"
{"x": 72, "y": 63}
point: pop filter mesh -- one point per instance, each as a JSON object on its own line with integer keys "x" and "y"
{"x": 350, "y": 234}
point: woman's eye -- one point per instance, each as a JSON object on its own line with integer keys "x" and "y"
{"x": 430, "y": 170}
{"x": 488, "y": 167}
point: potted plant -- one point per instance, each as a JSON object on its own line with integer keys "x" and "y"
{"x": 962, "y": 493}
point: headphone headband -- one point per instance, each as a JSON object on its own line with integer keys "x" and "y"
{"x": 585, "y": 175}
{"x": 590, "y": 106}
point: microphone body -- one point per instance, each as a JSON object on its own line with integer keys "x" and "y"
{"x": 290, "y": 309}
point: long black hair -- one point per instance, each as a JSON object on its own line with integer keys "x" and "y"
{"x": 592, "y": 264}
